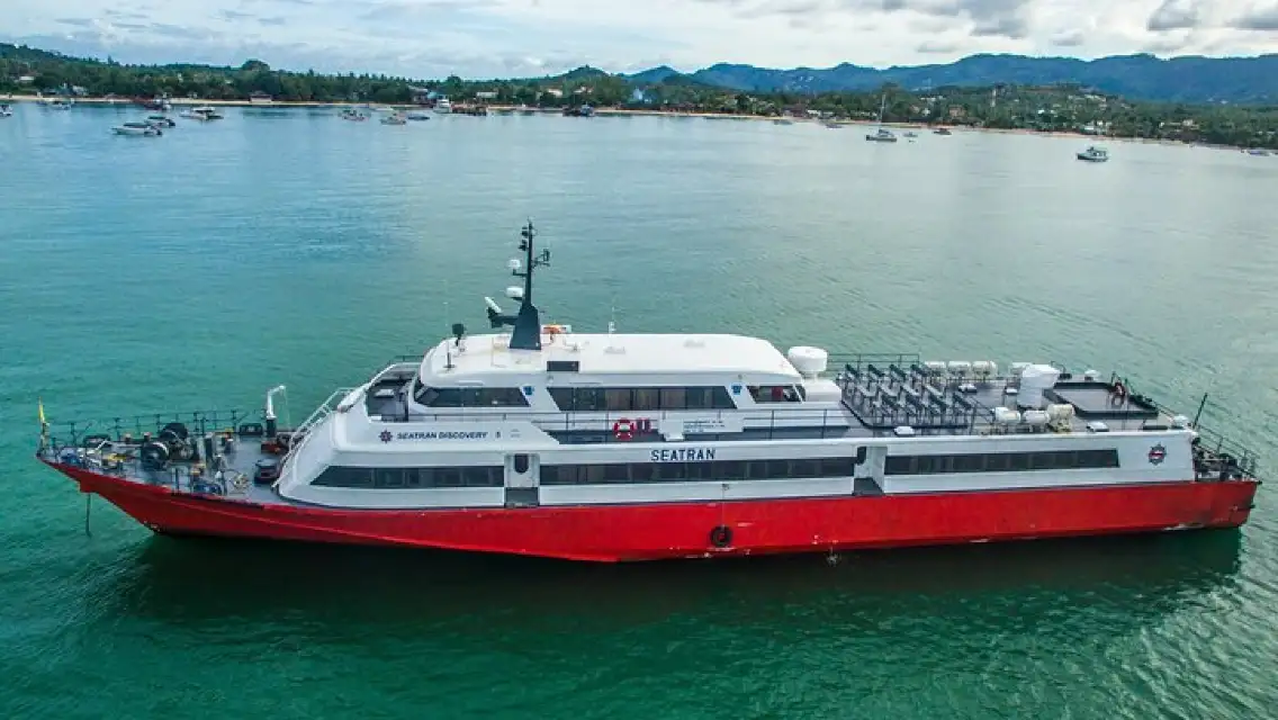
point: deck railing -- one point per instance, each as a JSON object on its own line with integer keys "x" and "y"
{"x": 78, "y": 433}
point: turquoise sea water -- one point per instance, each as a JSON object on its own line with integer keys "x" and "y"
{"x": 198, "y": 269}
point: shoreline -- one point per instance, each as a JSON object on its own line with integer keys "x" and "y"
{"x": 623, "y": 112}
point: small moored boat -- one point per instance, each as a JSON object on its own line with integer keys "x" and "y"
{"x": 137, "y": 129}
{"x": 202, "y": 113}
{"x": 5, "y": 111}
{"x": 394, "y": 119}
{"x": 161, "y": 121}
{"x": 1094, "y": 154}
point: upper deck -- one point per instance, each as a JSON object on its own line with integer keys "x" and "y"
{"x": 603, "y": 358}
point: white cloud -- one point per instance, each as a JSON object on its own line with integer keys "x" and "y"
{"x": 478, "y": 38}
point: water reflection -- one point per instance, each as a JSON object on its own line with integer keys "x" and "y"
{"x": 174, "y": 580}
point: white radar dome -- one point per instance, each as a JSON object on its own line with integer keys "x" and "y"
{"x": 809, "y": 361}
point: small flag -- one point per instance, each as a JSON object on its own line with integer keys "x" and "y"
{"x": 41, "y": 405}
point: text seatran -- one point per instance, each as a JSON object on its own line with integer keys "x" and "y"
{"x": 682, "y": 455}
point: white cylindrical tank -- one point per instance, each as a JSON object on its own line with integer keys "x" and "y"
{"x": 985, "y": 368}
{"x": 937, "y": 367}
{"x": 809, "y": 361}
{"x": 1034, "y": 380}
{"x": 1035, "y": 418}
{"x": 1006, "y": 416}
{"x": 960, "y": 367}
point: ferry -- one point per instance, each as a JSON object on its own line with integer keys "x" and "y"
{"x": 537, "y": 440}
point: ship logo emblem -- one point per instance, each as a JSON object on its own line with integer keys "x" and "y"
{"x": 386, "y": 436}
{"x": 1157, "y": 454}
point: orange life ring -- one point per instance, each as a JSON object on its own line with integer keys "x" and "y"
{"x": 623, "y": 430}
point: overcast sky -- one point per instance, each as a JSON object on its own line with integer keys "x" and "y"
{"x": 503, "y": 38}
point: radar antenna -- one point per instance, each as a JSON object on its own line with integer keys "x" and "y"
{"x": 526, "y": 324}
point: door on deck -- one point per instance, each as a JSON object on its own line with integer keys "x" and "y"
{"x": 870, "y": 464}
{"x": 521, "y": 480}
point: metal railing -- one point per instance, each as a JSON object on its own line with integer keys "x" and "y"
{"x": 76, "y": 433}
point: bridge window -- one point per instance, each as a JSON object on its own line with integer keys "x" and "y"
{"x": 1002, "y": 462}
{"x": 469, "y": 397}
{"x": 776, "y": 393}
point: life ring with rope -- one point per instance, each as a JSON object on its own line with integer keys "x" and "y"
{"x": 624, "y": 430}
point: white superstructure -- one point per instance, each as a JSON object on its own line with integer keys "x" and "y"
{"x": 542, "y": 415}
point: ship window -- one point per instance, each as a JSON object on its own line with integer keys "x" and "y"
{"x": 721, "y": 470}
{"x": 646, "y": 398}
{"x": 674, "y": 398}
{"x": 838, "y": 467}
{"x": 617, "y": 399}
{"x": 775, "y": 393}
{"x": 521, "y": 464}
{"x": 402, "y": 478}
{"x": 1002, "y": 462}
{"x": 470, "y": 397}
{"x": 476, "y": 477}
{"x": 562, "y": 366}
{"x": 805, "y": 468}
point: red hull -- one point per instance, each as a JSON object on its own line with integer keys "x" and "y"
{"x": 677, "y": 530}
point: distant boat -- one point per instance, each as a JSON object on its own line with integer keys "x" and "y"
{"x": 833, "y": 125}
{"x": 882, "y": 134}
{"x": 782, "y": 121}
{"x": 910, "y": 134}
{"x": 58, "y": 104}
{"x": 417, "y": 116}
{"x": 202, "y": 113}
{"x": 581, "y": 111}
{"x": 5, "y": 111}
{"x": 1259, "y": 152}
{"x": 394, "y": 119}
{"x": 353, "y": 115}
{"x": 443, "y": 106}
{"x": 1094, "y": 154}
{"x": 942, "y": 131}
{"x": 137, "y": 129}
{"x": 160, "y": 120}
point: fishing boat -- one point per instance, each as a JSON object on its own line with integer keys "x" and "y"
{"x": 537, "y": 440}
{"x": 1094, "y": 154}
{"x": 882, "y": 134}
{"x": 138, "y": 129}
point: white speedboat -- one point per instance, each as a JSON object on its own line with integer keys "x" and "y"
{"x": 443, "y": 106}
{"x": 353, "y": 115}
{"x": 137, "y": 129}
{"x": 202, "y": 113}
{"x": 1094, "y": 154}
{"x": 59, "y": 104}
{"x": 161, "y": 121}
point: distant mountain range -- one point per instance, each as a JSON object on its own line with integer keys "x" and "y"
{"x": 1193, "y": 79}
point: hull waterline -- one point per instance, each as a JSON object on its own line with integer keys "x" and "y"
{"x": 611, "y": 533}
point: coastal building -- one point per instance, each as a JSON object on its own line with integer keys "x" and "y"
{"x": 486, "y": 95}
{"x": 260, "y": 98}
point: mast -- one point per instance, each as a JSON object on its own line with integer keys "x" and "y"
{"x": 526, "y": 324}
